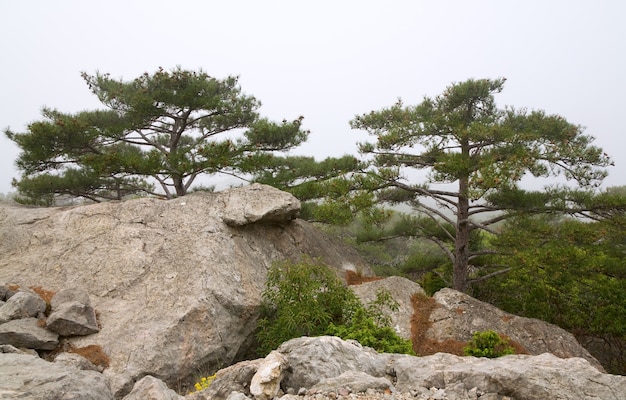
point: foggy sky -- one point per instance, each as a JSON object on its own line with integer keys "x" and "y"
{"x": 325, "y": 60}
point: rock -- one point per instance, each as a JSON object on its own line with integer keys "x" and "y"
{"x": 265, "y": 383}
{"x": 233, "y": 379}
{"x": 239, "y": 396}
{"x": 69, "y": 295}
{"x": 4, "y": 291}
{"x": 72, "y": 314}
{"x": 151, "y": 388}
{"x": 28, "y": 333}
{"x": 27, "y": 377}
{"x": 7, "y": 348}
{"x": 458, "y": 316}
{"x": 22, "y": 305}
{"x": 175, "y": 287}
{"x": 259, "y": 203}
{"x": 76, "y": 361}
{"x": 518, "y": 376}
{"x": 313, "y": 359}
{"x": 357, "y": 381}
{"x": 313, "y": 374}
{"x": 402, "y": 290}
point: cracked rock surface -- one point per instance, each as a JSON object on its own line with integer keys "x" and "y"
{"x": 174, "y": 284}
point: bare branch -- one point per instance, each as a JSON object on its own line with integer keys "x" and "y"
{"x": 443, "y": 248}
{"x": 491, "y": 275}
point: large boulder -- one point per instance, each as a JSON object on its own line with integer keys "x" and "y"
{"x": 177, "y": 284}
{"x": 402, "y": 291}
{"x": 28, "y": 377}
{"x": 457, "y": 316}
{"x": 255, "y": 203}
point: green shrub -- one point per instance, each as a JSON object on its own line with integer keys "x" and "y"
{"x": 432, "y": 283}
{"x": 364, "y": 330}
{"x": 301, "y": 299}
{"x": 308, "y": 299}
{"x": 487, "y": 344}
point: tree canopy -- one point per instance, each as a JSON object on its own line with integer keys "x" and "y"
{"x": 479, "y": 151}
{"x": 163, "y": 129}
{"x": 567, "y": 272}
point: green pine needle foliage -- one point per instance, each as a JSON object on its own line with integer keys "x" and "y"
{"x": 487, "y": 344}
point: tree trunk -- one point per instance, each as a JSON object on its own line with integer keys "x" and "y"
{"x": 179, "y": 185}
{"x": 461, "y": 244}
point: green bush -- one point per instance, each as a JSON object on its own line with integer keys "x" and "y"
{"x": 364, "y": 330}
{"x": 487, "y": 344}
{"x": 308, "y": 299}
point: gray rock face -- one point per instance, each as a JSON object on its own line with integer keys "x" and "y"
{"x": 174, "y": 285}
{"x": 28, "y": 377}
{"x": 355, "y": 381}
{"x": 22, "y": 304}
{"x": 76, "y": 361}
{"x": 459, "y": 316}
{"x": 27, "y": 333}
{"x": 402, "y": 290}
{"x": 69, "y": 295}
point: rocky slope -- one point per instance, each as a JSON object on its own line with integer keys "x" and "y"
{"x": 176, "y": 288}
{"x": 328, "y": 367}
{"x": 176, "y": 283}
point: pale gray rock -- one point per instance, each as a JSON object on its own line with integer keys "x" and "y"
{"x": 175, "y": 287}
{"x": 233, "y": 379}
{"x": 402, "y": 290}
{"x": 69, "y": 295}
{"x": 27, "y": 377}
{"x": 313, "y": 374}
{"x": 240, "y": 396}
{"x": 28, "y": 333}
{"x": 151, "y": 388}
{"x": 259, "y": 203}
{"x": 312, "y": 359}
{"x": 23, "y": 304}
{"x": 265, "y": 383}
{"x": 76, "y": 361}
{"x": 458, "y": 316}
{"x": 518, "y": 376}
{"x": 355, "y": 381}
{"x": 7, "y": 348}
{"x": 73, "y": 319}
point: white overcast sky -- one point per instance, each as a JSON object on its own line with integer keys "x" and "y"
{"x": 325, "y": 60}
